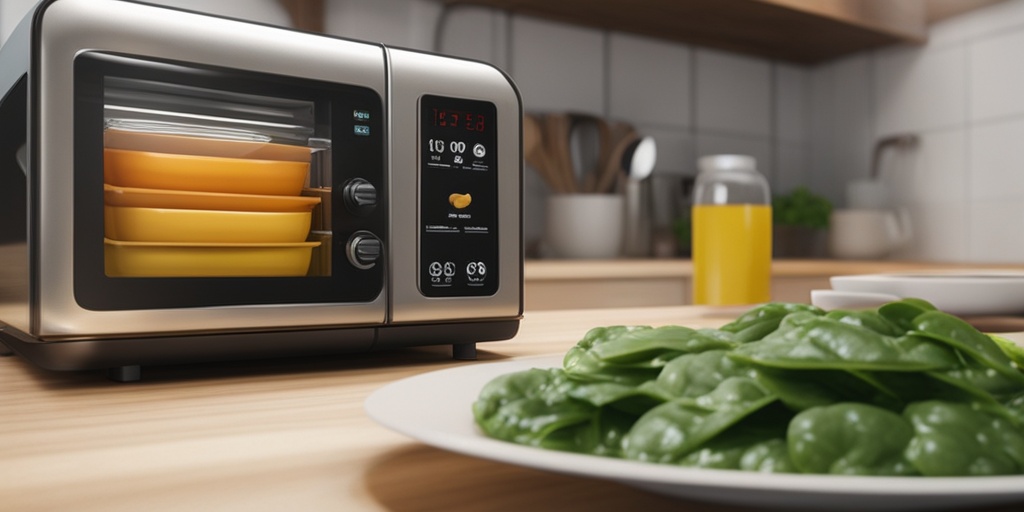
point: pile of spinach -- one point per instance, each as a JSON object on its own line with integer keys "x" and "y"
{"x": 901, "y": 390}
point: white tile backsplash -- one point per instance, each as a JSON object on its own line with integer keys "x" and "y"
{"x": 934, "y": 172}
{"x": 997, "y": 76}
{"x": 920, "y": 89}
{"x": 841, "y": 126}
{"x": 791, "y": 106}
{"x": 997, "y": 161}
{"x": 939, "y": 230}
{"x": 649, "y": 81}
{"x": 558, "y": 67}
{"x": 676, "y": 153}
{"x": 404, "y": 23}
{"x": 734, "y": 94}
{"x": 995, "y": 231}
{"x": 475, "y": 33}
{"x": 790, "y": 167}
{"x": 1006, "y": 16}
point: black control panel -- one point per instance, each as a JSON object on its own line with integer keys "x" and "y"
{"x": 458, "y": 243}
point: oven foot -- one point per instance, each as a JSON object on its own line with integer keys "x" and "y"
{"x": 125, "y": 373}
{"x": 464, "y": 351}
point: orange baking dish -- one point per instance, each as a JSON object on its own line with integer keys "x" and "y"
{"x": 150, "y": 259}
{"x": 114, "y": 138}
{"x": 204, "y": 226}
{"x": 143, "y": 169}
{"x": 157, "y": 198}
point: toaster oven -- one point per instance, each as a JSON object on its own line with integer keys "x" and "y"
{"x": 180, "y": 187}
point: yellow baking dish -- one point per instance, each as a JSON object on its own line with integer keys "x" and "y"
{"x": 204, "y": 226}
{"x": 143, "y": 169}
{"x": 114, "y": 138}
{"x": 148, "y": 259}
{"x": 157, "y": 198}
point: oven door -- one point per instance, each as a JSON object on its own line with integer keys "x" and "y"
{"x": 199, "y": 187}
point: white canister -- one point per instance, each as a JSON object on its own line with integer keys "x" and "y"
{"x": 586, "y": 226}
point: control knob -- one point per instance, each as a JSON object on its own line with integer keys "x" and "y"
{"x": 360, "y": 196}
{"x": 364, "y": 249}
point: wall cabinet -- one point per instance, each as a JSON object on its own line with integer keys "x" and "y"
{"x": 800, "y": 31}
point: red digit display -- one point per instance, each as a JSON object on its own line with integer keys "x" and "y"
{"x": 469, "y": 121}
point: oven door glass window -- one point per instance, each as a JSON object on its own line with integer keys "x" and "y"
{"x": 199, "y": 186}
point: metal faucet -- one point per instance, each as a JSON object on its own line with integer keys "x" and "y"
{"x": 901, "y": 141}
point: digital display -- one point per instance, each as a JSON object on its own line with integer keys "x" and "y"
{"x": 458, "y": 197}
{"x": 459, "y": 119}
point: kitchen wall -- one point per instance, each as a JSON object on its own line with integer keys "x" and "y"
{"x": 962, "y": 93}
{"x": 694, "y": 101}
{"x": 963, "y": 186}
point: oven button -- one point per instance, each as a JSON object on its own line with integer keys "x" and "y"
{"x": 364, "y": 249}
{"x": 360, "y": 196}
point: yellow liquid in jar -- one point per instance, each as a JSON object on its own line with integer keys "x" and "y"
{"x": 732, "y": 254}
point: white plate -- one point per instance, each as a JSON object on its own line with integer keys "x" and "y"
{"x": 960, "y": 293}
{"x": 435, "y": 408}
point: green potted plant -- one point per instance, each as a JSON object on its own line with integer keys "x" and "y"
{"x": 800, "y": 224}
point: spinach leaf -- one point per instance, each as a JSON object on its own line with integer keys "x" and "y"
{"x": 903, "y": 312}
{"x": 763, "y": 320}
{"x": 824, "y": 343}
{"x": 584, "y": 365}
{"x": 642, "y": 345}
{"x": 632, "y": 399}
{"x": 804, "y": 389}
{"x": 868, "y": 319}
{"x": 948, "y": 329}
{"x": 758, "y": 443}
{"x": 910, "y": 387}
{"x": 526, "y": 407}
{"x": 958, "y": 439}
{"x": 634, "y": 355}
{"x": 850, "y": 439}
{"x": 601, "y": 435}
{"x": 672, "y": 430}
{"x": 692, "y": 375}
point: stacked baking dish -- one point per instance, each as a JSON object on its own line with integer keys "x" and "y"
{"x": 195, "y": 206}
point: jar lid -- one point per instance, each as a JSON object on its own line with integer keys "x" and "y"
{"x": 727, "y": 163}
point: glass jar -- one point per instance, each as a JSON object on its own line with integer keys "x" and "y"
{"x": 732, "y": 232}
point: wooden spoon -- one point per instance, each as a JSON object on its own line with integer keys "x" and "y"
{"x": 556, "y": 134}
{"x": 537, "y": 155}
{"x": 623, "y": 135}
{"x": 531, "y": 135}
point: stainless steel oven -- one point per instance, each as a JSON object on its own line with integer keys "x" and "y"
{"x": 183, "y": 187}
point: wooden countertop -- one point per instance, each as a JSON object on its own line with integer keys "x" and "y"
{"x": 284, "y": 435}
{"x": 279, "y": 435}
{"x": 541, "y": 270}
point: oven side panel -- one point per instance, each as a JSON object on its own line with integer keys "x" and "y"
{"x": 418, "y": 81}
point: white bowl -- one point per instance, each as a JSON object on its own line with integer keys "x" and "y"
{"x": 833, "y": 299}
{"x": 965, "y": 292}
